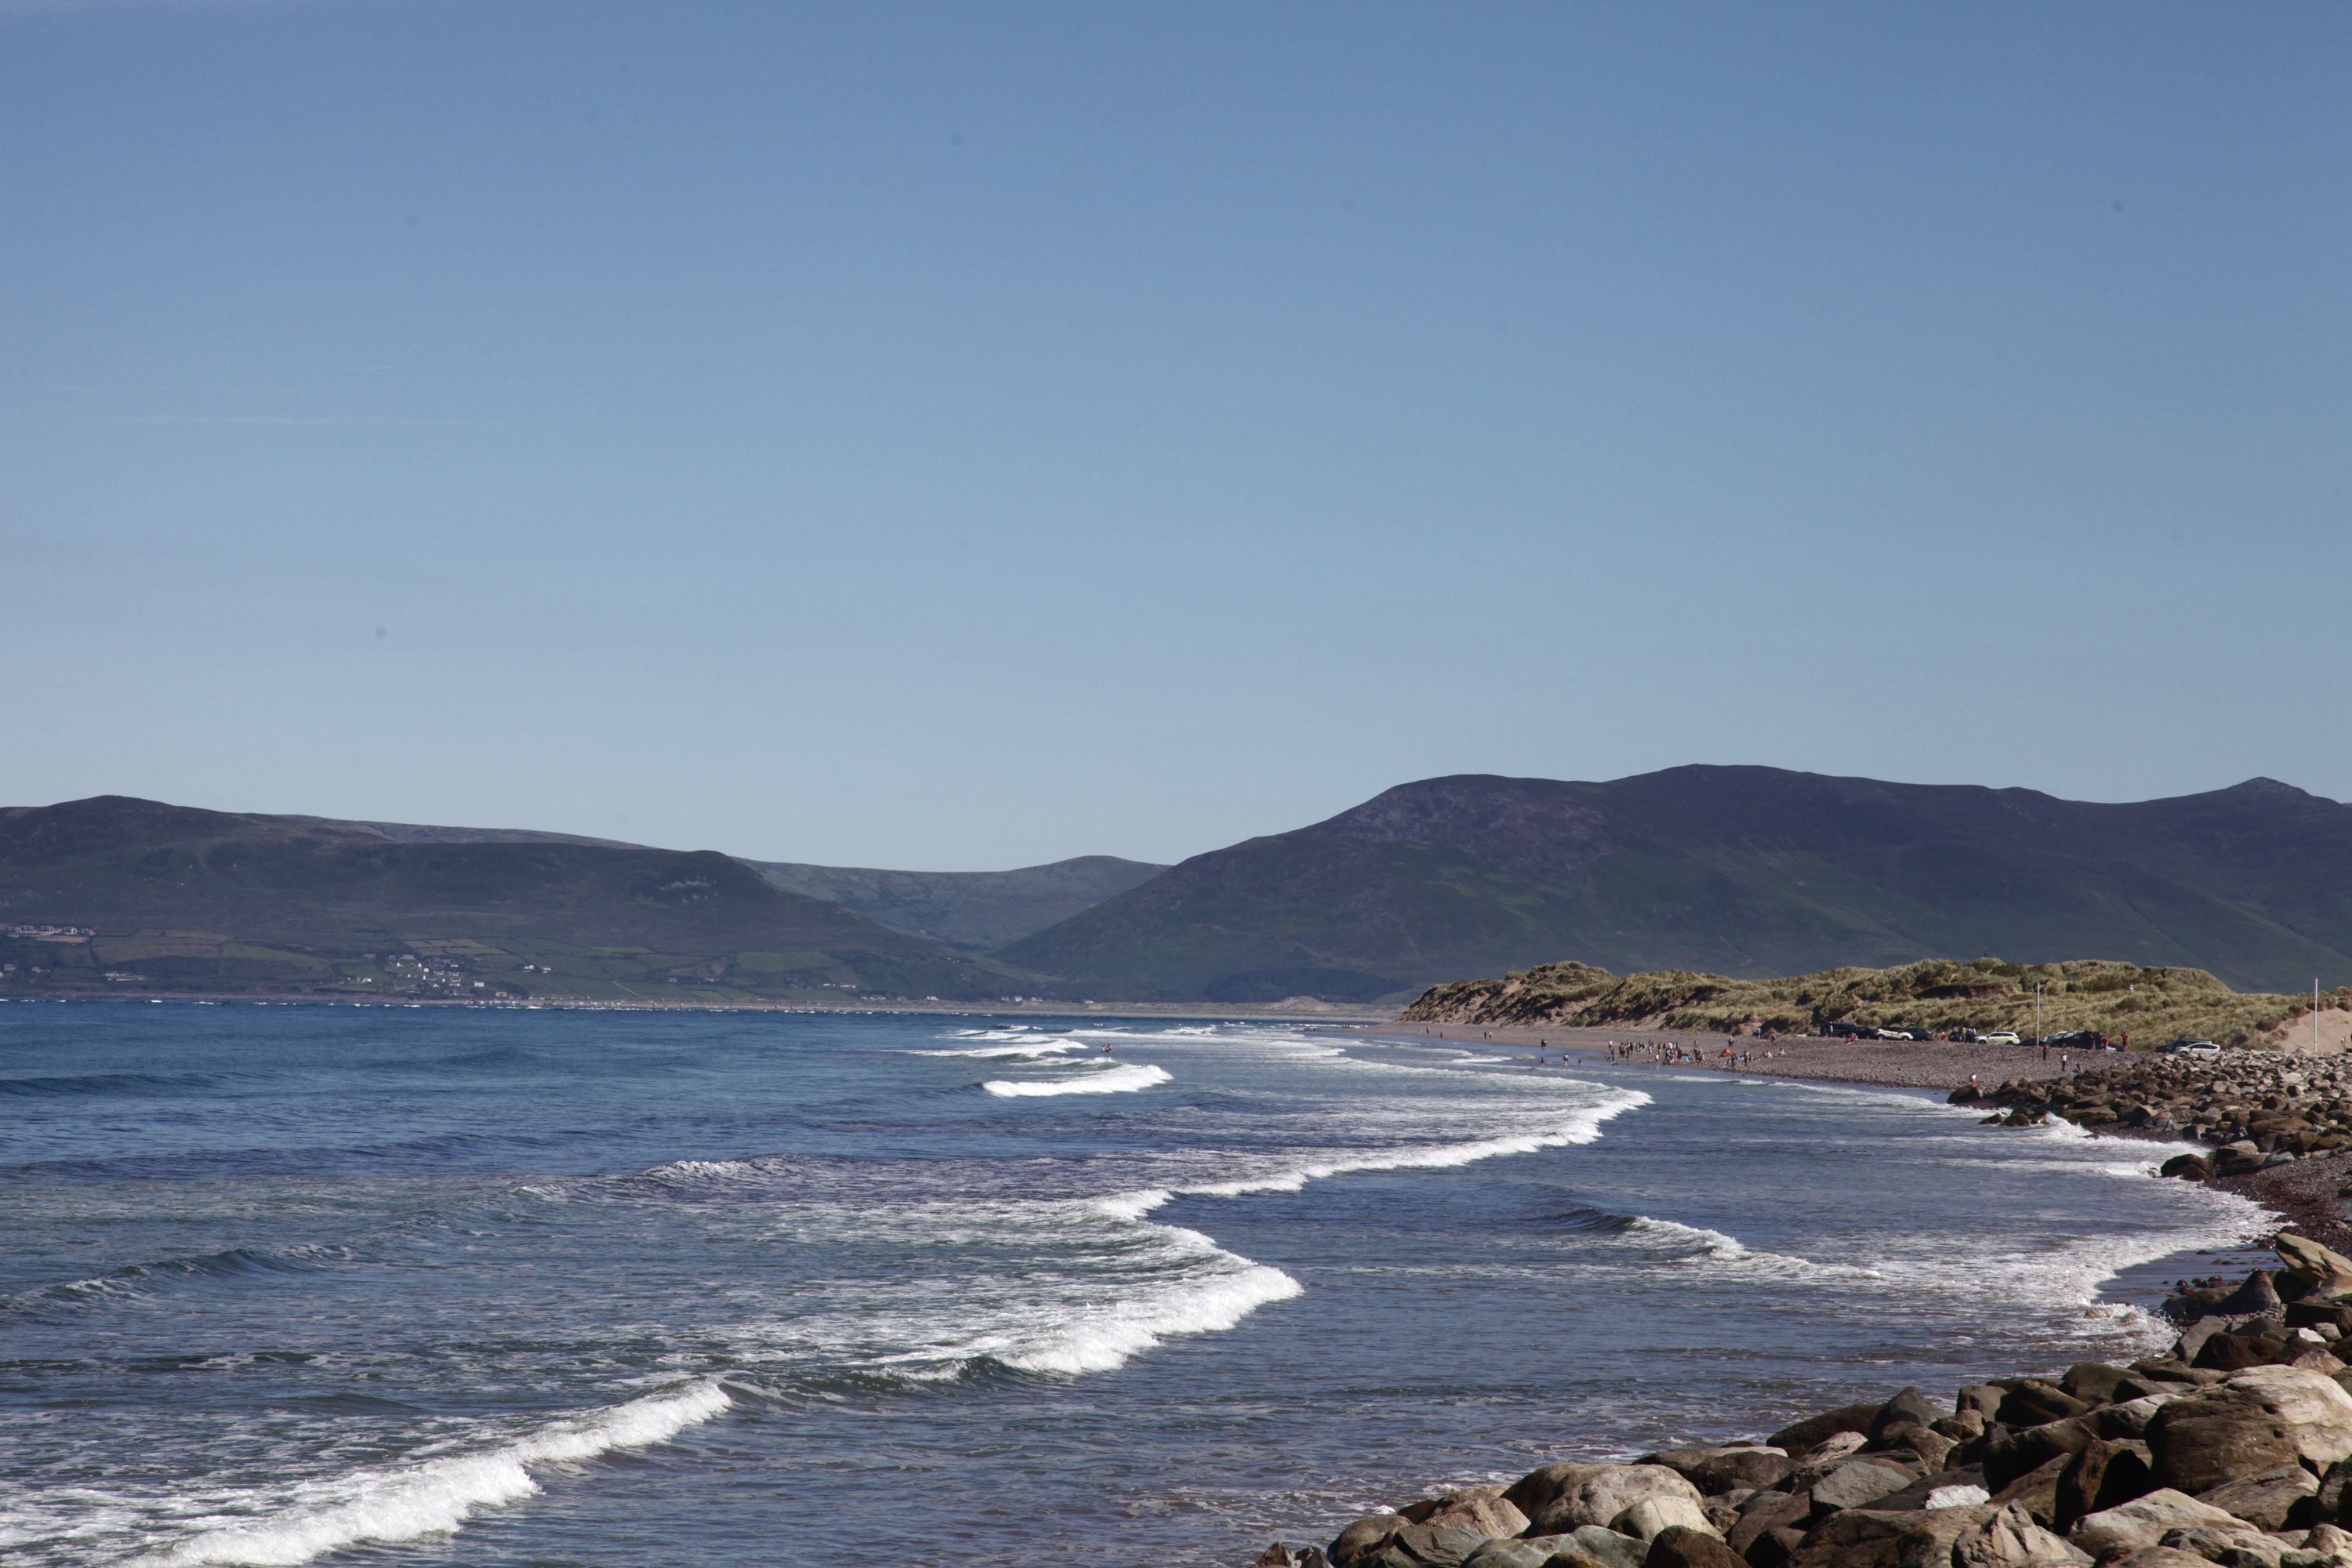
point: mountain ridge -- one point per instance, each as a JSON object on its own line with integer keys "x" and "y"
{"x": 1746, "y": 872}
{"x": 180, "y": 896}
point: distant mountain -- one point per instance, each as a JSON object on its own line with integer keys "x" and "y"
{"x": 975, "y": 909}
{"x": 965, "y": 909}
{"x": 182, "y": 899}
{"x": 1743, "y": 871}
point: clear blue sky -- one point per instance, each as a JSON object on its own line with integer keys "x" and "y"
{"x": 962, "y": 436}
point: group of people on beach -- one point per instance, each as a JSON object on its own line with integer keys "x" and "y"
{"x": 1672, "y": 1053}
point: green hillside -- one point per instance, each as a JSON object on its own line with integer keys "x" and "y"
{"x": 1746, "y": 872}
{"x": 2151, "y": 1005}
{"x": 179, "y": 899}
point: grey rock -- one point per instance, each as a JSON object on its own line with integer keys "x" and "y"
{"x": 1481, "y": 1508}
{"x": 2144, "y": 1520}
{"x": 1909, "y": 1406}
{"x": 1646, "y": 1520}
{"x": 2258, "y": 1419}
{"x": 1858, "y": 1483}
{"x": 1862, "y": 1538}
{"x": 2009, "y": 1538}
{"x": 1560, "y": 1497}
{"x": 1675, "y": 1547}
{"x": 1716, "y": 1470}
{"x": 2267, "y": 1499}
{"x": 1592, "y": 1546}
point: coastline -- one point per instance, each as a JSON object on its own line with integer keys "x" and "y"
{"x": 1980, "y": 1487}
{"x": 1887, "y": 1064}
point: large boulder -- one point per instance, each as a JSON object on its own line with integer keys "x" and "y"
{"x": 1421, "y": 1546}
{"x": 1861, "y": 1538}
{"x": 2259, "y": 1294}
{"x": 1766, "y": 1512}
{"x": 1824, "y": 1456}
{"x": 2015, "y": 1454}
{"x": 1592, "y": 1546}
{"x": 1364, "y": 1537}
{"x": 2267, "y": 1499}
{"x": 2260, "y": 1418}
{"x": 2234, "y": 1546}
{"x": 2236, "y": 1159}
{"x": 1800, "y": 1436}
{"x": 1675, "y": 1547}
{"x": 2033, "y": 1402}
{"x": 1481, "y": 1508}
{"x": 1909, "y": 1406}
{"x": 1560, "y": 1497}
{"x": 2144, "y": 1520}
{"x": 2100, "y": 1383}
{"x": 1717, "y": 1470}
{"x": 1931, "y": 1447}
{"x": 1646, "y": 1520}
{"x": 1859, "y": 1482}
{"x": 2036, "y": 1492}
{"x": 1527, "y": 1552}
{"x": 2324, "y": 1274}
{"x": 2009, "y": 1538}
{"x": 2103, "y": 1475}
{"x": 2159, "y": 1557}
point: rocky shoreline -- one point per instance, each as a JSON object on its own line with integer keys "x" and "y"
{"x": 2278, "y": 1128}
{"x": 2233, "y": 1449}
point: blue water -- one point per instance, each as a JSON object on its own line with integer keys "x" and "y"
{"x": 413, "y": 1287}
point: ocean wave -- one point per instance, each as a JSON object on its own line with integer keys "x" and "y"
{"x": 1032, "y": 1047}
{"x": 230, "y": 1263}
{"x": 1697, "y": 1244}
{"x": 1583, "y": 1127}
{"x": 429, "y": 1498}
{"x": 44, "y": 1084}
{"x": 1124, "y": 1079}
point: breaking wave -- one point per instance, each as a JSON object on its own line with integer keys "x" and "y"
{"x": 1122, "y": 1079}
{"x": 431, "y": 1496}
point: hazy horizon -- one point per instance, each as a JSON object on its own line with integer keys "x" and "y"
{"x": 917, "y": 437}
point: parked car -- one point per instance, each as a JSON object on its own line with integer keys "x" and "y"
{"x": 1892, "y": 1033}
{"x": 2194, "y": 1049}
{"x": 2001, "y": 1038}
{"x": 1842, "y": 1030}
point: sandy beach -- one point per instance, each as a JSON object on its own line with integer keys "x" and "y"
{"x": 1896, "y": 1064}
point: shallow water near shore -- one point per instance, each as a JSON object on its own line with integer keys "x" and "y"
{"x": 390, "y": 1286}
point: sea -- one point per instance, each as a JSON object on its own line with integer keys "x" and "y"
{"x": 291, "y": 1284}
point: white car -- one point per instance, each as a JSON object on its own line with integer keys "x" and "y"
{"x": 2000, "y": 1038}
{"x": 2194, "y": 1049}
{"x": 1894, "y": 1033}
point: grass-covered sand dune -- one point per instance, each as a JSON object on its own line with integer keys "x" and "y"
{"x": 2152, "y": 1006}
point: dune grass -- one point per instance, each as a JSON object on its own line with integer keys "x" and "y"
{"x": 2151, "y": 1004}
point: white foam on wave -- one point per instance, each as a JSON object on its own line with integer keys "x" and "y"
{"x": 431, "y": 1496}
{"x": 1219, "y": 1292}
{"x": 1032, "y": 1047}
{"x": 1098, "y": 1283}
{"x": 1125, "y": 1079}
{"x": 1584, "y": 1126}
{"x": 1697, "y": 1244}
